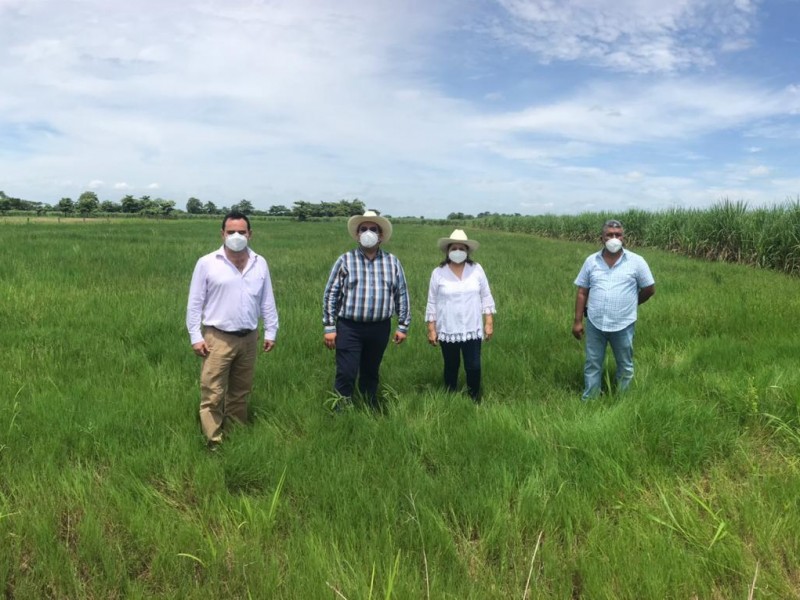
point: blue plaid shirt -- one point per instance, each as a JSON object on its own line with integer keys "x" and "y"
{"x": 614, "y": 291}
{"x": 366, "y": 290}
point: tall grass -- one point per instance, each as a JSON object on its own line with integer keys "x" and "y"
{"x": 728, "y": 231}
{"x": 681, "y": 488}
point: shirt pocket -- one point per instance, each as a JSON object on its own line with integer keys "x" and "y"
{"x": 254, "y": 285}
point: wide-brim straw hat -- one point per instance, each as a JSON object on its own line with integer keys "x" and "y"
{"x": 458, "y": 237}
{"x": 371, "y": 216}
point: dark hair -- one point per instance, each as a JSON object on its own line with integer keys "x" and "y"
{"x": 611, "y": 223}
{"x": 235, "y": 215}
{"x": 446, "y": 260}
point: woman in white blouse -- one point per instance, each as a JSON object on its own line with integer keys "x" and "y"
{"x": 459, "y": 311}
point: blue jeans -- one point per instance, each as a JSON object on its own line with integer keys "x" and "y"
{"x": 622, "y": 346}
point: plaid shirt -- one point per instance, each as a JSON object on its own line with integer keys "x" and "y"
{"x": 366, "y": 290}
{"x": 614, "y": 291}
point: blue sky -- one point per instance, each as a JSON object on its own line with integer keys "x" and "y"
{"x": 416, "y": 107}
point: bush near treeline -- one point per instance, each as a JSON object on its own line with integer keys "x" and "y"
{"x": 728, "y": 231}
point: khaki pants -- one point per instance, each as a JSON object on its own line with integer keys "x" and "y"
{"x": 226, "y": 380}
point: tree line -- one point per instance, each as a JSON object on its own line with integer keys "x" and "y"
{"x": 88, "y": 204}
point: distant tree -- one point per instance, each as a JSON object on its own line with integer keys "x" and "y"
{"x": 279, "y": 211}
{"x": 66, "y": 205}
{"x": 87, "y": 203}
{"x": 107, "y": 206}
{"x": 149, "y": 207}
{"x": 130, "y": 204}
{"x": 166, "y": 207}
{"x": 245, "y": 207}
{"x": 194, "y": 206}
{"x": 210, "y": 208}
{"x": 302, "y": 210}
{"x": 352, "y": 208}
{"x": 5, "y": 204}
{"x": 156, "y": 207}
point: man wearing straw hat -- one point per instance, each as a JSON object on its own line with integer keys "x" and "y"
{"x": 365, "y": 288}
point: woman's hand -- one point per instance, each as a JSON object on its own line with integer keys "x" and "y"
{"x": 433, "y": 338}
{"x": 488, "y": 328}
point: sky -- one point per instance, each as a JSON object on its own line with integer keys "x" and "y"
{"x": 415, "y": 107}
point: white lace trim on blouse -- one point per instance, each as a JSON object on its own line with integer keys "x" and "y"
{"x": 460, "y": 337}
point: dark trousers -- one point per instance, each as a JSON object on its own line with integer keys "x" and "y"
{"x": 452, "y": 353}
{"x": 359, "y": 351}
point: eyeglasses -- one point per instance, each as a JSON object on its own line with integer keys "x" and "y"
{"x": 364, "y": 228}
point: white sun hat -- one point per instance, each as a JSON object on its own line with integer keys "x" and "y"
{"x": 458, "y": 237}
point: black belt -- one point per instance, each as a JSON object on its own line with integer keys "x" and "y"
{"x": 239, "y": 333}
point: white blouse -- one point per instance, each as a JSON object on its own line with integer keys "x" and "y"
{"x": 457, "y": 305}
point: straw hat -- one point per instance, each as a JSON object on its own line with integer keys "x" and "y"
{"x": 370, "y": 215}
{"x": 458, "y": 237}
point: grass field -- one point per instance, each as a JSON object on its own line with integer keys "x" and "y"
{"x": 685, "y": 487}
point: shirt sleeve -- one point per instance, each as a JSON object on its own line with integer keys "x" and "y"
{"x": 583, "y": 280}
{"x": 433, "y": 287}
{"x": 197, "y": 300}
{"x": 269, "y": 311}
{"x": 332, "y": 297}
{"x": 643, "y": 275}
{"x": 401, "y": 302}
{"x": 487, "y": 301}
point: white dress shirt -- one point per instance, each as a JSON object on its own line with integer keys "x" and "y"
{"x": 225, "y": 298}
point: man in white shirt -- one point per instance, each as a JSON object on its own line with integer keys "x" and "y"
{"x": 611, "y": 285}
{"x": 230, "y": 290}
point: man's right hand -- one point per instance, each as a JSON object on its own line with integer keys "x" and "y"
{"x": 577, "y": 329}
{"x": 330, "y": 340}
{"x": 201, "y": 349}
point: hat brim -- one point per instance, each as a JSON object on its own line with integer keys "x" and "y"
{"x": 471, "y": 245}
{"x": 382, "y": 222}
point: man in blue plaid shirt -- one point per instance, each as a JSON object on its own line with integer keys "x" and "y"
{"x": 365, "y": 288}
{"x": 611, "y": 285}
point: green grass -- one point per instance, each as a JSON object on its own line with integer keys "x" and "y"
{"x": 685, "y": 487}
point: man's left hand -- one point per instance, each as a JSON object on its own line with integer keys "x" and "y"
{"x": 269, "y": 345}
{"x": 399, "y": 337}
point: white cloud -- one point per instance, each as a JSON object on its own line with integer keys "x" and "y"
{"x": 606, "y": 113}
{"x": 638, "y": 36}
{"x": 760, "y": 171}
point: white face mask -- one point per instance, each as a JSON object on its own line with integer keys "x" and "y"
{"x": 236, "y": 242}
{"x": 457, "y": 256}
{"x": 368, "y": 239}
{"x": 614, "y": 245}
